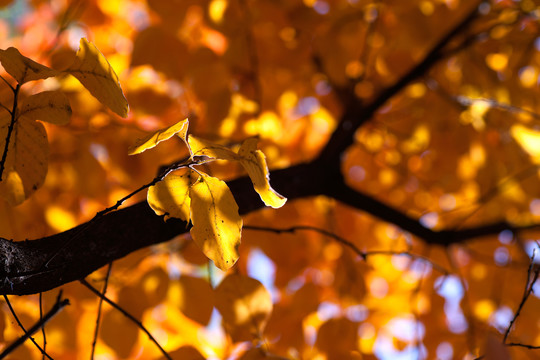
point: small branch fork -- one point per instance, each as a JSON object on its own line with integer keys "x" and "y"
{"x": 58, "y": 305}
{"x": 532, "y": 275}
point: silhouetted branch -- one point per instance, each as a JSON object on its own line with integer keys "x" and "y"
{"x": 363, "y": 254}
{"x": 100, "y": 306}
{"x": 58, "y": 305}
{"x": 126, "y": 314}
{"x": 532, "y": 276}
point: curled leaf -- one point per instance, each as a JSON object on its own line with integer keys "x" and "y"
{"x": 200, "y": 147}
{"x": 254, "y": 162}
{"x": 170, "y": 197}
{"x": 49, "y": 106}
{"x": 217, "y": 226}
{"x": 22, "y": 68}
{"x": 95, "y": 73}
{"x": 156, "y": 137}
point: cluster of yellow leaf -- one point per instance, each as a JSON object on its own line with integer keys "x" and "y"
{"x": 204, "y": 200}
{"x": 25, "y": 158}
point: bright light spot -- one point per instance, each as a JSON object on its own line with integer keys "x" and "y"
{"x": 501, "y": 256}
{"x": 356, "y": 313}
{"x": 532, "y": 247}
{"x": 295, "y": 284}
{"x": 537, "y": 44}
{"x": 528, "y": 139}
{"x": 445, "y": 351}
{"x": 429, "y": 220}
{"x": 378, "y": 287}
{"x": 455, "y": 318}
{"x": 321, "y": 7}
{"x": 216, "y": 9}
{"x": 385, "y": 349}
{"x": 260, "y": 267}
{"x": 322, "y": 87}
{"x": 328, "y": 310}
{"x": 497, "y": 61}
{"x": 354, "y": 69}
{"x": 507, "y": 236}
{"x": 416, "y": 90}
{"x": 449, "y": 287}
{"x": 483, "y": 309}
{"x": 528, "y": 76}
{"x": 357, "y": 173}
{"x": 306, "y": 106}
{"x": 447, "y": 202}
{"x": 534, "y": 207}
{"x": 501, "y": 318}
{"x": 406, "y": 329}
{"x": 427, "y": 7}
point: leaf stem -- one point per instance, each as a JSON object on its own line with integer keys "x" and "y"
{"x": 10, "y": 129}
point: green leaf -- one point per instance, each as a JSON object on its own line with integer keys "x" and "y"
{"x": 49, "y": 106}
{"x": 217, "y": 226}
{"x": 95, "y": 73}
{"x": 156, "y": 137}
{"x": 22, "y": 68}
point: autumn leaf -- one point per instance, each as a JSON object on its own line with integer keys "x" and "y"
{"x": 12, "y": 188}
{"x": 49, "y": 106}
{"x": 254, "y": 162}
{"x": 245, "y": 305}
{"x": 217, "y": 226}
{"x": 170, "y": 197}
{"x": 150, "y": 141}
{"x": 95, "y": 73}
{"x": 529, "y": 140}
{"x": 28, "y": 155}
{"x": 22, "y": 68}
{"x": 200, "y": 147}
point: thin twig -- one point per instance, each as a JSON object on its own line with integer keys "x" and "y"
{"x": 10, "y": 129}
{"x": 7, "y": 83}
{"x": 59, "y": 305}
{"x": 126, "y": 314}
{"x": 43, "y": 327}
{"x": 363, "y": 254}
{"x": 532, "y": 347}
{"x": 100, "y": 305}
{"x": 532, "y": 276}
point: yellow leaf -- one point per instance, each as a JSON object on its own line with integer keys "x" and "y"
{"x": 28, "y": 155}
{"x": 217, "y": 226}
{"x": 195, "y": 298}
{"x": 528, "y": 139}
{"x": 170, "y": 197}
{"x": 254, "y": 162}
{"x": 245, "y": 306}
{"x": 22, "y": 68}
{"x": 200, "y": 147}
{"x": 96, "y": 74}
{"x": 156, "y": 137}
{"x": 49, "y": 106}
{"x": 12, "y": 189}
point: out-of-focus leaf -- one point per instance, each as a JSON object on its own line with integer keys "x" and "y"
{"x": 245, "y": 305}
{"x": 259, "y": 354}
{"x": 170, "y": 197}
{"x": 5, "y": 3}
{"x": 28, "y": 155}
{"x": 156, "y": 137}
{"x": 200, "y": 147}
{"x": 196, "y": 299}
{"x": 95, "y": 73}
{"x": 254, "y": 162}
{"x": 49, "y": 106}
{"x": 185, "y": 353}
{"x": 337, "y": 338}
{"x": 119, "y": 333}
{"x": 154, "y": 285}
{"x": 217, "y": 226}
{"x": 495, "y": 349}
{"x": 22, "y": 68}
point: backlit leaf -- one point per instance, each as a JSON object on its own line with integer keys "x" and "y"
{"x": 217, "y": 226}
{"x": 170, "y": 197}
{"x": 28, "y": 155}
{"x": 200, "y": 147}
{"x": 245, "y": 305}
{"x": 49, "y": 106}
{"x": 156, "y": 137}
{"x": 22, "y": 68}
{"x": 254, "y": 162}
{"x": 528, "y": 139}
{"x": 96, "y": 74}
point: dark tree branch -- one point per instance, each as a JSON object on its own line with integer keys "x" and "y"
{"x": 58, "y": 305}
